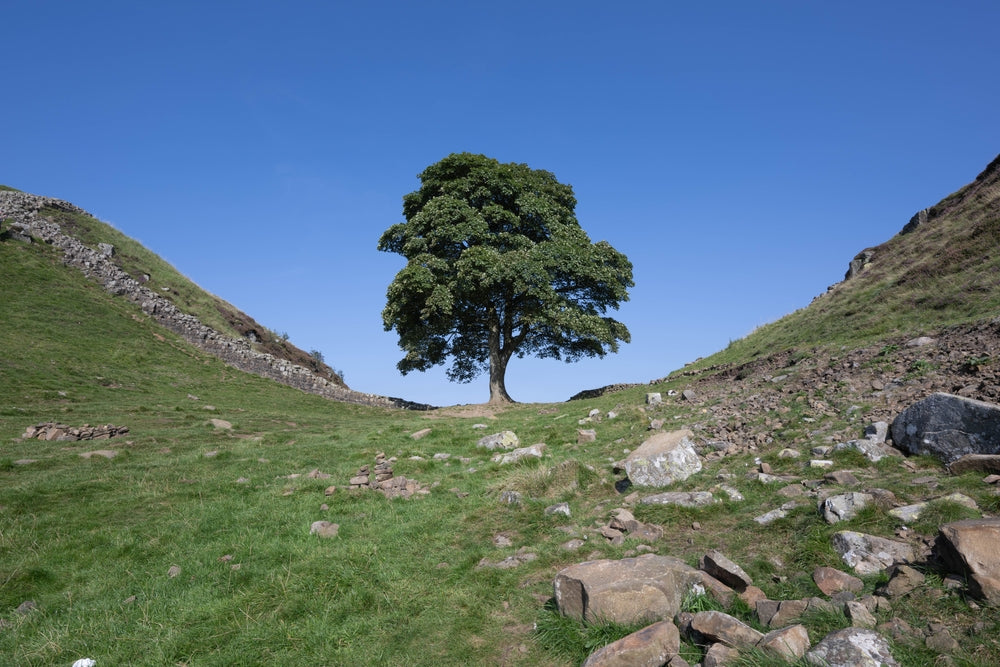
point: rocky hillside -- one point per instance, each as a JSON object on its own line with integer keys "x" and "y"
{"x": 128, "y": 271}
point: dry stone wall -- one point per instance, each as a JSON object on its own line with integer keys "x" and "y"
{"x": 19, "y": 215}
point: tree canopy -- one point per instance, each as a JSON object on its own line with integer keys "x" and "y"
{"x": 498, "y": 266}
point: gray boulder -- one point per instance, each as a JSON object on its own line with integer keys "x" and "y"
{"x": 501, "y": 440}
{"x": 534, "y": 451}
{"x": 869, "y": 554}
{"x": 663, "y": 459}
{"x": 845, "y": 506}
{"x": 852, "y": 647}
{"x": 948, "y": 427}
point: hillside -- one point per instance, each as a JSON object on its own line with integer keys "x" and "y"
{"x": 187, "y": 539}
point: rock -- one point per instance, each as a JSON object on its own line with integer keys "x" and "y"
{"x": 653, "y": 398}
{"x": 682, "y": 498}
{"x": 630, "y": 590}
{"x": 778, "y": 614}
{"x": 104, "y": 453}
{"x": 858, "y": 615}
{"x": 573, "y": 544}
{"x": 584, "y": 435}
{"x": 972, "y": 548}
{"x": 844, "y": 506}
{"x": 790, "y": 643}
{"x": 788, "y": 453}
{"x": 948, "y": 427}
{"x": 830, "y": 581}
{"x": 720, "y": 655}
{"x": 501, "y": 440}
{"x": 989, "y": 463}
{"x": 941, "y": 641}
{"x": 904, "y": 579}
{"x": 869, "y": 554}
{"x": 842, "y": 478}
{"x": 718, "y": 590}
{"x": 852, "y": 647}
{"x": 872, "y": 450}
{"x": 771, "y": 517}
{"x": 511, "y": 498}
{"x": 173, "y": 571}
{"x": 26, "y": 607}
{"x": 877, "y": 432}
{"x": 558, "y": 508}
{"x": 725, "y": 570}
{"x": 689, "y": 395}
{"x": 663, "y": 459}
{"x": 522, "y": 556}
{"x": 324, "y": 529}
{"x": 920, "y": 341}
{"x": 422, "y": 433}
{"x": 719, "y": 627}
{"x": 652, "y": 646}
{"x": 534, "y": 451}
{"x": 221, "y": 424}
{"x": 910, "y": 513}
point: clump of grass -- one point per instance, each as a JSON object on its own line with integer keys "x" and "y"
{"x": 574, "y": 640}
{"x": 940, "y": 512}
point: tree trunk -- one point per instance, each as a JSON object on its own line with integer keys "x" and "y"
{"x": 498, "y": 366}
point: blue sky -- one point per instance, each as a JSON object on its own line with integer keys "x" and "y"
{"x": 739, "y": 153}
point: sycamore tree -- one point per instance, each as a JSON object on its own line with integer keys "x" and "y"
{"x": 498, "y": 266}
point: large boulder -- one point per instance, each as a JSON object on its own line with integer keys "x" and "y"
{"x": 631, "y": 590}
{"x": 948, "y": 427}
{"x": 972, "y": 548}
{"x": 663, "y": 459}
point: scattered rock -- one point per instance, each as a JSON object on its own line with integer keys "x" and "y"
{"x": 725, "y": 570}
{"x": 53, "y": 431}
{"x": 558, "y": 508}
{"x": 221, "y": 424}
{"x": 904, "y": 579}
{"x": 324, "y": 529}
{"x": 585, "y": 435}
{"x": 719, "y": 627}
{"x": 844, "y": 506}
{"x": 501, "y": 440}
{"x": 910, "y": 513}
{"x": 683, "y": 498}
{"x": 630, "y": 590}
{"x": 422, "y": 433}
{"x": 831, "y": 581}
{"x": 663, "y": 459}
{"x": 513, "y": 456}
{"x": 970, "y": 548}
{"x": 652, "y": 646}
{"x": 790, "y": 643}
{"x": 654, "y": 398}
{"x": 852, "y": 647}
{"x": 105, "y": 453}
{"x": 989, "y": 463}
{"x": 869, "y": 554}
{"x": 173, "y": 571}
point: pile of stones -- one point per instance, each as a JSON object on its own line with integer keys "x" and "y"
{"x": 52, "y": 431}
{"x": 382, "y": 479}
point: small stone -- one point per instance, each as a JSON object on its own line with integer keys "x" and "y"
{"x": 422, "y": 433}
{"x": 558, "y": 508}
{"x": 173, "y": 571}
{"x": 324, "y": 529}
{"x": 221, "y": 424}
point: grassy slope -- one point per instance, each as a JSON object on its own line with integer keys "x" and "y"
{"x": 91, "y": 540}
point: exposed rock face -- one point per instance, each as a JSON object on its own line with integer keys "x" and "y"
{"x": 972, "y": 548}
{"x": 630, "y": 590}
{"x": 22, "y": 210}
{"x": 663, "y": 459}
{"x": 652, "y": 646}
{"x": 948, "y": 427}
{"x": 852, "y": 647}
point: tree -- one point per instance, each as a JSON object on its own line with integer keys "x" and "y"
{"x": 497, "y": 266}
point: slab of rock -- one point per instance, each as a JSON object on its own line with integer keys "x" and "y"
{"x": 652, "y": 646}
{"x": 858, "y": 614}
{"x": 869, "y": 554}
{"x": 790, "y": 643}
{"x": 725, "y": 570}
{"x": 630, "y": 590}
{"x": 663, "y": 459}
{"x": 948, "y": 427}
{"x": 872, "y": 450}
{"x": 831, "y": 581}
{"x": 720, "y": 655}
{"x": 972, "y": 548}
{"x": 852, "y": 647}
{"x": 844, "y": 506}
{"x": 842, "y": 477}
{"x": 221, "y": 424}
{"x": 501, "y": 440}
{"x": 682, "y": 498}
{"x": 780, "y": 613}
{"x": 534, "y": 451}
{"x": 903, "y": 580}
{"x": 989, "y": 463}
{"x": 719, "y": 627}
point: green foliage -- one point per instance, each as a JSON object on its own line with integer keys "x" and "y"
{"x": 574, "y": 641}
{"x": 497, "y": 266}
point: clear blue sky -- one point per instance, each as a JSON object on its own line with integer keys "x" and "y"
{"x": 739, "y": 153}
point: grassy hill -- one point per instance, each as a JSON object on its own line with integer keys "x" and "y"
{"x": 191, "y": 546}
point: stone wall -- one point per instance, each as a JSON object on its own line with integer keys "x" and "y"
{"x": 19, "y": 215}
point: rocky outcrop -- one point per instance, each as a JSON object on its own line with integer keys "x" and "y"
{"x": 62, "y": 433}
{"x": 20, "y": 210}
